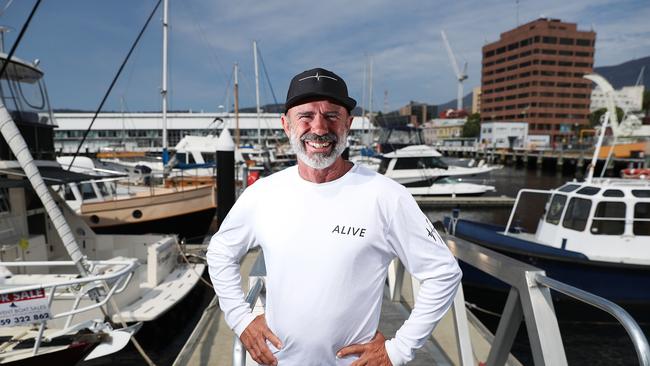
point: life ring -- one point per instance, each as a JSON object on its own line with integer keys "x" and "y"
{"x": 635, "y": 173}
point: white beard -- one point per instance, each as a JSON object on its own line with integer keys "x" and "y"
{"x": 318, "y": 160}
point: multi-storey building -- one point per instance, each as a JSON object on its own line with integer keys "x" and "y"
{"x": 534, "y": 73}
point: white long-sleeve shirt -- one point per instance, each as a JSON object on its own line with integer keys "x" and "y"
{"x": 327, "y": 249}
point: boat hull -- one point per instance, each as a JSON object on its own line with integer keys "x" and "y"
{"x": 624, "y": 284}
{"x": 191, "y": 226}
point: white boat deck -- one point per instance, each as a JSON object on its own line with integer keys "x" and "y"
{"x": 162, "y": 297}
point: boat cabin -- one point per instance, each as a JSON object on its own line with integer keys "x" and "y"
{"x": 604, "y": 218}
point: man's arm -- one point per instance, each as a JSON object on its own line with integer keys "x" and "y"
{"x": 233, "y": 240}
{"x": 426, "y": 256}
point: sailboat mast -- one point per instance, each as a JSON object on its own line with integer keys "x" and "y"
{"x": 237, "y": 105}
{"x": 163, "y": 91}
{"x": 257, "y": 95}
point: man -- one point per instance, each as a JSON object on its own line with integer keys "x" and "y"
{"x": 328, "y": 230}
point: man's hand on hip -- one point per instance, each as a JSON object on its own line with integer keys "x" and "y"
{"x": 372, "y": 353}
{"x": 254, "y": 339}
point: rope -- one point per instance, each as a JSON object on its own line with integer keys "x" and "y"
{"x": 180, "y": 250}
{"x": 478, "y": 308}
{"x": 20, "y": 36}
{"x": 110, "y": 88}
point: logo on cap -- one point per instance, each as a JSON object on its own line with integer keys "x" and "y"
{"x": 317, "y": 77}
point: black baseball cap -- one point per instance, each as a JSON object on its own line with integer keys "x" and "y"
{"x": 317, "y": 84}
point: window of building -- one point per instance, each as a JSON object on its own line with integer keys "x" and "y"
{"x": 563, "y": 85}
{"x": 583, "y": 54}
{"x": 577, "y": 213}
{"x": 609, "y": 219}
{"x": 489, "y": 54}
{"x": 565, "y": 53}
{"x": 555, "y": 209}
{"x": 548, "y": 62}
{"x": 564, "y": 95}
{"x": 549, "y": 40}
{"x": 547, "y": 83}
{"x": 513, "y": 46}
{"x": 582, "y": 64}
{"x": 566, "y": 41}
{"x": 546, "y": 94}
{"x": 565, "y": 63}
{"x": 549, "y": 52}
{"x": 583, "y": 42}
{"x": 641, "y": 224}
{"x": 513, "y": 57}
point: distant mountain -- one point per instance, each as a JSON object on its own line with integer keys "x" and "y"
{"x": 627, "y": 73}
{"x": 467, "y": 103}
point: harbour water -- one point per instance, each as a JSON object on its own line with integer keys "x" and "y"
{"x": 591, "y": 343}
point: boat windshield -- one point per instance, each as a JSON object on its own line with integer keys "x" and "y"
{"x": 427, "y": 162}
{"x": 23, "y": 93}
{"x": 555, "y": 209}
{"x": 577, "y": 214}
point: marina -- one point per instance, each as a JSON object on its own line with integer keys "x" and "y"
{"x": 539, "y": 190}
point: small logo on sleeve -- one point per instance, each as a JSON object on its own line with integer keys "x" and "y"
{"x": 349, "y": 230}
{"x": 431, "y": 232}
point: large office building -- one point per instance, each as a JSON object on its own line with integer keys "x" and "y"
{"x": 534, "y": 73}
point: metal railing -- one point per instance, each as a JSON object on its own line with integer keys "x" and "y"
{"x": 101, "y": 287}
{"x": 529, "y": 299}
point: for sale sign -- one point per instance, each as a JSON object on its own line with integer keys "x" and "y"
{"x": 23, "y": 307}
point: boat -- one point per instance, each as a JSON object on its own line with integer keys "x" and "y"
{"x": 39, "y": 232}
{"x": 421, "y": 165}
{"x": 593, "y": 235}
{"x": 112, "y": 205}
{"x": 447, "y": 186}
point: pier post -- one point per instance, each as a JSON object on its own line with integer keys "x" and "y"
{"x": 225, "y": 175}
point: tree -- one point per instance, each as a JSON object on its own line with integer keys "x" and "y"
{"x": 472, "y": 128}
{"x": 594, "y": 117}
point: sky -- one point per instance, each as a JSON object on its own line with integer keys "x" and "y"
{"x": 81, "y": 44}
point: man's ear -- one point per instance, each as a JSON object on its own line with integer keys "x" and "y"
{"x": 285, "y": 123}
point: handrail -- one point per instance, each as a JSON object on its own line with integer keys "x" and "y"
{"x": 257, "y": 274}
{"x": 120, "y": 279}
{"x": 631, "y": 327}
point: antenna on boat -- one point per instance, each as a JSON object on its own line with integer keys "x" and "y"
{"x": 237, "y": 135}
{"x": 601, "y": 136}
{"x": 257, "y": 95}
{"x": 163, "y": 91}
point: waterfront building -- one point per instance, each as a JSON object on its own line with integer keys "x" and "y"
{"x": 476, "y": 100}
{"x": 628, "y": 98}
{"x": 143, "y": 131}
{"x": 418, "y": 112}
{"x": 439, "y": 129}
{"x": 504, "y": 135}
{"x": 534, "y": 73}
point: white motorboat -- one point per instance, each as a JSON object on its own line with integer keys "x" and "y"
{"x": 37, "y": 227}
{"x": 447, "y": 186}
{"x": 421, "y": 165}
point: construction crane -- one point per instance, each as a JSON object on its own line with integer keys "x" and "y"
{"x": 460, "y": 76}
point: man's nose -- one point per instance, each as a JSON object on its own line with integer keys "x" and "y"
{"x": 319, "y": 125}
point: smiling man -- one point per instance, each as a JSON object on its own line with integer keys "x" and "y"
{"x": 328, "y": 230}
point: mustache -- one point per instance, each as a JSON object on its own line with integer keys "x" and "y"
{"x": 328, "y": 137}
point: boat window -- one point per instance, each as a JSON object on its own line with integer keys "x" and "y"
{"x": 87, "y": 191}
{"x": 641, "y": 218}
{"x": 103, "y": 189}
{"x": 209, "y": 157}
{"x": 613, "y": 193}
{"x": 429, "y": 162}
{"x": 569, "y": 188}
{"x": 577, "y": 213}
{"x": 383, "y": 166}
{"x": 555, "y": 209}
{"x": 67, "y": 194}
{"x": 4, "y": 200}
{"x": 609, "y": 219}
{"x": 643, "y": 193}
{"x": 589, "y": 191}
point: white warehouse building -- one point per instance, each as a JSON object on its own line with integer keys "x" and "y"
{"x": 143, "y": 131}
{"x": 628, "y": 98}
{"x": 508, "y": 135}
